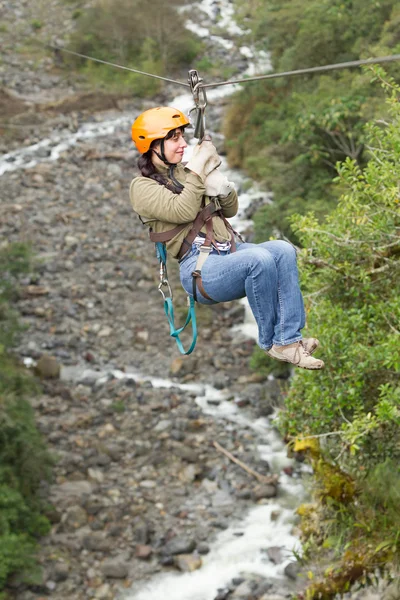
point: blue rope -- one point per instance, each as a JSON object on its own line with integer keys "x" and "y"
{"x": 169, "y": 310}
{"x": 175, "y": 333}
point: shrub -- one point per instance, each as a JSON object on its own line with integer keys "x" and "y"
{"x": 151, "y": 39}
{"x": 351, "y": 409}
{"x": 24, "y": 461}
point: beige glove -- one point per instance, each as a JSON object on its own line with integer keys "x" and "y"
{"x": 218, "y": 185}
{"x": 204, "y": 159}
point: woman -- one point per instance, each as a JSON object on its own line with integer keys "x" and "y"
{"x": 169, "y": 197}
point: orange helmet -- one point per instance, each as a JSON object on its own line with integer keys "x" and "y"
{"x": 154, "y": 124}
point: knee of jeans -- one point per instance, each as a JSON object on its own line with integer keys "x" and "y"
{"x": 288, "y": 249}
{"x": 262, "y": 260}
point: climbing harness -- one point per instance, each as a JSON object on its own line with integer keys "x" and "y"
{"x": 169, "y": 307}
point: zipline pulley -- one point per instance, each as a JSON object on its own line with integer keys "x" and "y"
{"x": 200, "y": 103}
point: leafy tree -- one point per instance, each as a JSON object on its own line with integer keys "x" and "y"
{"x": 346, "y": 418}
{"x": 289, "y": 133}
{"x": 132, "y": 33}
{"x": 24, "y": 461}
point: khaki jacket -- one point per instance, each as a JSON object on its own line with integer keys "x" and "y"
{"x": 162, "y": 210}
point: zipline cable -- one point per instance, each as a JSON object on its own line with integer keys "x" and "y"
{"x": 321, "y": 69}
{"x": 110, "y": 64}
{"x": 345, "y": 65}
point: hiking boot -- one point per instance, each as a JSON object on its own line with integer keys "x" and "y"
{"x": 297, "y": 355}
{"x": 310, "y": 344}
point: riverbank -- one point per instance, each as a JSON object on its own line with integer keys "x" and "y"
{"x": 137, "y": 470}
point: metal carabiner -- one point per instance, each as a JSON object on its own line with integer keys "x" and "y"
{"x": 200, "y": 101}
{"x": 165, "y": 283}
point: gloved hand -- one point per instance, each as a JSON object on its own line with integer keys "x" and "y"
{"x": 204, "y": 159}
{"x": 217, "y": 184}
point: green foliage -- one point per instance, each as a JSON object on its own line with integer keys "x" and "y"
{"x": 24, "y": 461}
{"x": 290, "y": 133}
{"x": 151, "y": 39}
{"x": 351, "y": 272}
{"x": 36, "y": 24}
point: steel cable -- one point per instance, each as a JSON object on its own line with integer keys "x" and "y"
{"x": 345, "y": 65}
{"x": 110, "y": 64}
{"x": 321, "y": 69}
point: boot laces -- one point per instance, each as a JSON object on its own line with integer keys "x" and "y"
{"x": 299, "y": 351}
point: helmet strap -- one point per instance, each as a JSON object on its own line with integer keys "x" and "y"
{"x": 171, "y": 166}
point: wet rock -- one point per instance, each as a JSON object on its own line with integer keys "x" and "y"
{"x": 292, "y": 570}
{"x": 267, "y": 490}
{"x": 274, "y": 554}
{"x": 203, "y": 548}
{"x": 179, "y": 545}
{"x": 188, "y": 562}
{"x": 243, "y": 591}
{"x": 223, "y": 594}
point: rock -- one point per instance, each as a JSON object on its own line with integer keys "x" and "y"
{"x": 48, "y": 367}
{"x": 292, "y": 570}
{"x": 70, "y": 490}
{"x": 222, "y": 498}
{"x": 97, "y": 542}
{"x": 210, "y": 486}
{"x": 163, "y": 425}
{"x": 104, "y": 332}
{"x": 189, "y": 473}
{"x": 267, "y": 490}
{"x": 274, "y": 554}
{"x": 148, "y": 484}
{"x": 223, "y": 594}
{"x": 183, "y": 366}
{"x": 75, "y": 517}
{"x": 115, "y": 568}
{"x": 243, "y": 591}
{"x": 61, "y": 572}
{"x": 203, "y": 548}
{"x": 96, "y": 475}
{"x": 179, "y": 545}
{"x": 103, "y": 592}
{"x": 70, "y": 240}
{"x": 188, "y": 562}
{"x": 143, "y": 552}
{"x": 243, "y": 494}
{"x": 392, "y": 592}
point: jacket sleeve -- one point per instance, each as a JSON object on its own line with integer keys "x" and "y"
{"x": 229, "y": 204}
{"x": 153, "y": 201}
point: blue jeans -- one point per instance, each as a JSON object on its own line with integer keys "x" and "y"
{"x": 267, "y": 274}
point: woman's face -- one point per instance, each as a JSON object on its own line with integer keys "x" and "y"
{"x": 174, "y": 147}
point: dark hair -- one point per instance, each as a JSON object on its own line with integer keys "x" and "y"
{"x": 148, "y": 169}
